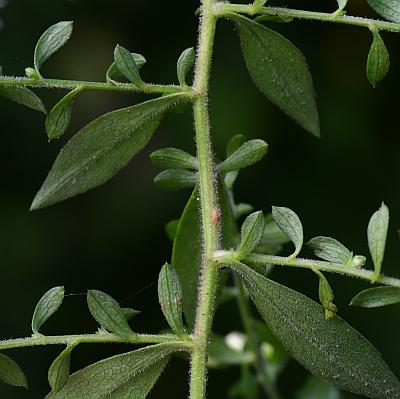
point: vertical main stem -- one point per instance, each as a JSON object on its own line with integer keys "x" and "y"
{"x": 208, "y": 202}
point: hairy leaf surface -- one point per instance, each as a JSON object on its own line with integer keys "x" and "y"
{"x": 389, "y": 9}
{"x": 24, "y": 96}
{"x": 11, "y": 373}
{"x": 376, "y": 297}
{"x": 59, "y": 370}
{"x": 378, "y": 63}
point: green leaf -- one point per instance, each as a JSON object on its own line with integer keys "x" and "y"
{"x": 329, "y": 348}
{"x": 176, "y": 179}
{"x": 378, "y": 63}
{"x": 23, "y": 96}
{"x": 127, "y": 65}
{"x": 173, "y": 158}
{"x": 376, "y": 297}
{"x": 252, "y": 232}
{"x": 273, "y": 18}
{"x": 51, "y": 41}
{"x": 389, "y": 9}
{"x": 130, "y": 375}
{"x": 272, "y": 233}
{"x": 247, "y": 154}
{"x": 107, "y": 312}
{"x": 316, "y": 388}
{"x": 326, "y": 295}
{"x": 171, "y": 229}
{"x": 101, "y": 149}
{"x": 185, "y": 64}
{"x": 341, "y": 5}
{"x": 246, "y": 387}
{"x": 11, "y": 373}
{"x": 130, "y": 313}
{"x": 259, "y": 3}
{"x": 115, "y": 75}
{"x": 280, "y": 72}
{"x": 60, "y": 368}
{"x": 242, "y": 209}
{"x": 329, "y": 249}
{"x": 48, "y": 304}
{"x": 59, "y": 117}
{"x": 170, "y": 298}
{"x": 234, "y": 143}
{"x": 290, "y": 224}
{"x": 377, "y": 232}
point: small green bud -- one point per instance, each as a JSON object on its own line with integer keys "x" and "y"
{"x": 358, "y": 261}
{"x": 32, "y": 73}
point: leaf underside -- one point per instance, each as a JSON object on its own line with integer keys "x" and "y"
{"x": 24, "y": 96}
{"x": 389, "y": 9}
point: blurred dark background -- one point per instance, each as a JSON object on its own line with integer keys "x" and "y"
{"x": 113, "y": 239}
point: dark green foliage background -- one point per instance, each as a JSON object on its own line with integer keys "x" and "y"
{"x": 112, "y": 238}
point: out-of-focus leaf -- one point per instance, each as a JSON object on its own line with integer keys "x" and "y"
{"x": 246, "y": 387}
{"x": 316, "y": 388}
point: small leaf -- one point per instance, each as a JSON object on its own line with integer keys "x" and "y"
{"x": 329, "y": 249}
{"x": 115, "y": 75}
{"x": 259, "y": 3}
{"x": 171, "y": 229}
{"x": 60, "y": 368}
{"x": 377, "y": 232}
{"x": 176, "y": 179}
{"x": 185, "y": 64}
{"x": 378, "y": 63}
{"x": 107, "y": 312}
{"x": 272, "y": 233}
{"x": 173, "y": 158}
{"x": 251, "y": 233}
{"x": 234, "y": 143}
{"x": 51, "y": 41}
{"x": 341, "y": 5}
{"x": 316, "y": 388}
{"x": 11, "y": 373}
{"x": 247, "y": 154}
{"x": 326, "y": 295}
{"x": 242, "y": 209}
{"x": 23, "y": 96}
{"x": 273, "y": 18}
{"x": 130, "y": 313}
{"x": 99, "y": 150}
{"x": 280, "y": 72}
{"x": 48, "y": 304}
{"x": 127, "y": 65}
{"x": 170, "y": 298}
{"x": 31, "y": 73}
{"x": 290, "y": 224}
{"x": 376, "y": 297}
{"x": 59, "y": 117}
{"x": 329, "y": 348}
{"x": 389, "y": 9}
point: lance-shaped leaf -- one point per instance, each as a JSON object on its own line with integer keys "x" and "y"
{"x": 60, "y": 368}
{"x": 101, "y": 149}
{"x": 185, "y": 64}
{"x": 48, "y": 304}
{"x": 377, "y": 232}
{"x": 23, "y": 96}
{"x": 51, "y": 41}
{"x": 326, "y": 295}
{"x": 173, "y": 158}
{"x": 376, "y": 297}
{"x": 378, "y": 63}
{"x": 329, "y": 348}
{"x": 247, "y": 154}
{"x": 115, "y": 75}
{"x": 316, "y": 388}
{"x": 234, "y": 143}
{"x": 107, "y": 312}
{"x": 130, "y": 375}
{"x": 127, "y": 65}
{"x": 59, "y": 117}
{"x": 170, "y": 298}
{"x": 11, "y": 373}
{"x": 252, "y": 232}
{"x": 329, "y": 249}
{"x": 389, "y": 9}
{"x": 280, "y": 72}
{"x": 176, "y": 179}
{"x": 290, "y": 224}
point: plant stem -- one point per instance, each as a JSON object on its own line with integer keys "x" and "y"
{"x": 223, "y": 9}
{"x": 208, "y": 203}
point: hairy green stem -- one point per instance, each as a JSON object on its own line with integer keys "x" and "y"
{"x": 223, "y": 9}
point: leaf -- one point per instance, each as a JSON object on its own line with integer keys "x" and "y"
{"x": 234, "y": 143}
{"x": 389, "y": 9}
{"x": 11, "y": 373}
{"x": 170, "y": 298}
{"x": 259, "y": 3}
{"x": 23, "y": 96}
{"x": 171, "y": 229}
{"x": 329, "y": 249}
{"x": 329, "y": 348}
{"x": 127, "y": 65}
{"x": 176, "y": 179}
{"x": 251, "y": 233}
{"x": 185, "y": 64}
{"x": 130, "y": 313}
{"x": 247, "y": 154}
{"x": 173, "y": 158}
{"x": 101, "y": 149}
{"x": 115, "y": 75}
{"x": 378, "y": 63}
{"x": 326, "y": 295}
{"x": 376, "y": 297}
{"x": 60, "y": 368}
{"x": 107, "y": 312}
{"x": 130, "y": 375}
{"x": 272, "y": 233}
{"x": 316, "y": 388}
{"x": 242, "y": 209}
{"x": 246, "y": 387}
{"x": 48, "y": 304}
{"x": 341, "y": 5}
{"x": 377, "y": 232}
{"x": 273, "y": 18}
{"x": 59, "y": 117}
{"x": 51, "y": 41}
{"x": 280, "y": 72}
{"x": 290, "y": 224}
